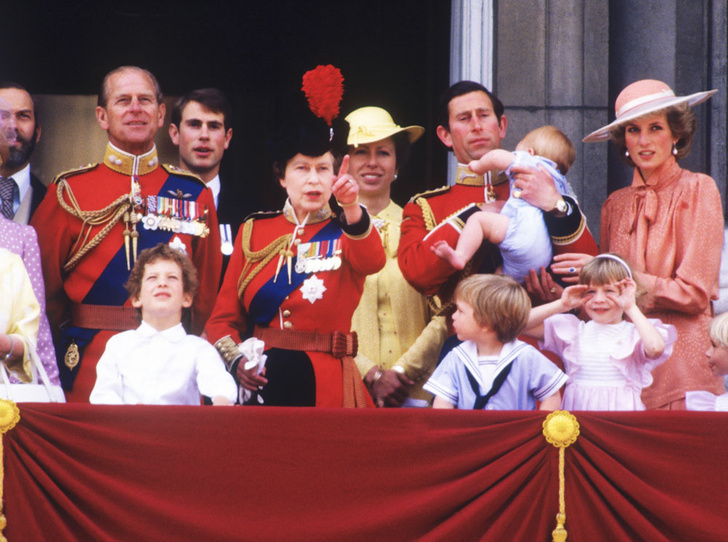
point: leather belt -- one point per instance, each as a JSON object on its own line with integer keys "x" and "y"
{"x": 106, "y": 317}
{"x": 337, "y": 343}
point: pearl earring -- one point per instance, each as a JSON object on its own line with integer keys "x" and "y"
{"x": 395, "y": 176}
{"x": 674, "y": 149}
{"x": 626, "y": 153}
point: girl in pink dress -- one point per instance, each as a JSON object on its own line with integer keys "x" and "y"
{"x": 608, "y": 359}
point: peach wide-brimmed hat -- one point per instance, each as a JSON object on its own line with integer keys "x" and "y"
{"x": 642, "y": 98}
{"x": 370, "y": 124}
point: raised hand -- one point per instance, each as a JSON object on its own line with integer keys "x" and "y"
{"x": 345, "y": 189}
{"x": 573, "y": 296}
{"x": 626, "y": 298}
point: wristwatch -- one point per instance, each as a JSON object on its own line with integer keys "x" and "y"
{"x": 561, "y": 207}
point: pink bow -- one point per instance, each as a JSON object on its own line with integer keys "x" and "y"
{"x": 644, "y": 204}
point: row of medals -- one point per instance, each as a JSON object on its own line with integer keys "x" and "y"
{"x": 170, "y": 223}
{"x": 316, "y": 264}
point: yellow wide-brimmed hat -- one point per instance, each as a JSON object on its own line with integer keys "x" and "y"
{"x": 370, "y": 124}
{"x": 642, "y": 98}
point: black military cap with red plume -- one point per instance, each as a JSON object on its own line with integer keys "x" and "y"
{"x": 310, "y": 130}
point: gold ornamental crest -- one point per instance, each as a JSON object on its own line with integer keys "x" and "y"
{"x": 560, "y": 428}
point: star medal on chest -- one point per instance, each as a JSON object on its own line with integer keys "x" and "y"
{"x": 313, "y": 289}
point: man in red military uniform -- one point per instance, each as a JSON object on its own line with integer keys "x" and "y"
{"x": 472, "y": 123}
{"x": 95, "y": 220}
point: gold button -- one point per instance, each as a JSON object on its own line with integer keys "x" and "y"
{"x": 297, "y": 242}
{"x": 287, "y": 324}
{"x": 286, "y": 313}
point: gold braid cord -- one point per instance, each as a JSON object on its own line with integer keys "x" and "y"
{"x": 255, "y": 261}
{"x": 9, "y": 416}
{"x": 108, "y": 216}
{"x": 561, "y": 429}
{"x": 427, "y": 215}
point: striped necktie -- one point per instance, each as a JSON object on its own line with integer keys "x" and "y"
{"x": 7, "y": 195}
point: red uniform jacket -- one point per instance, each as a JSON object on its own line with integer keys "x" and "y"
{"x": 322, "y": 301}
{"x": 99, "y": 276}
{"x": 449, "y": 208}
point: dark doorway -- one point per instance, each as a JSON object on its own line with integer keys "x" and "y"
{"x": 392, "y": 53}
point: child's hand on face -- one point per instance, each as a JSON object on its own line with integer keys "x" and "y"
{"x": 627, "y": 293}
{"x": 572, "y": 296}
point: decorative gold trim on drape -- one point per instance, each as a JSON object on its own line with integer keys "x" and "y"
{"x": 561, "y": 429}
{"x": 9, "y": 416}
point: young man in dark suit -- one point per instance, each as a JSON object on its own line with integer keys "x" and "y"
{"x": 201, "y": 128}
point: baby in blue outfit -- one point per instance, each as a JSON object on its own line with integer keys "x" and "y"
{"x": 516, "y": 227}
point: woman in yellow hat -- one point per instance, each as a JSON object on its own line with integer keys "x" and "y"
{"x": 399, "y": 343}
{"x": 669, "y": 226}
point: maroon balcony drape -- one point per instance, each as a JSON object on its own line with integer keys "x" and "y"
{"x": 82, "y": 472}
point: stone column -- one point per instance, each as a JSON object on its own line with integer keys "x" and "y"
{"x": 471, "y": 50}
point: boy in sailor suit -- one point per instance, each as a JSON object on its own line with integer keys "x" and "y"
{"x": 491, "y": 369}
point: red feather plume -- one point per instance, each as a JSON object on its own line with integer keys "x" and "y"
{"x": 324, "y": 88}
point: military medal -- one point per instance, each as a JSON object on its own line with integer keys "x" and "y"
{"x": 175, "y": 215}
{"x": 177, "y": 244}
{"x": 313, "y": 289}
{"x": 318, "y": 256}
{"x": 151, "y": 222}
{"x": 337, "y": 259}
{"x": 313, "y": 265}
{"x": 226, "y": 246}
{"x": 72, "y": 356}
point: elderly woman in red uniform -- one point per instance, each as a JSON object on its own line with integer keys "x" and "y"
{"x": 295, "y": 279}
{"x": 669, "y": 226}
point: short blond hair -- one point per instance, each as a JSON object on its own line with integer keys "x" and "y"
{"x": 551, "y": 143}
{"x": 719, "y": 330}
{"x": 498, "y": 302}
{"x": 603, "y": 270}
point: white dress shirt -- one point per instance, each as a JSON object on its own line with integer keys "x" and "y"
{"x": 170, "y": 367}
{"x": 214, "y": 186}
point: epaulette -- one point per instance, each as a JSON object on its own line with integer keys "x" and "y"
{"x": 74, "y": 171}
{"x": 174, "y": 170}
{"x": 431, "y": 193}
{"x": 263, "y": 214}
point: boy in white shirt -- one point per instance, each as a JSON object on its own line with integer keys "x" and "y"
{"x": 159, "y": 363}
